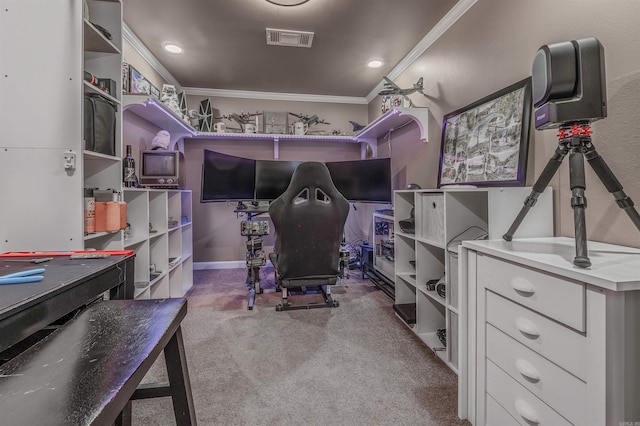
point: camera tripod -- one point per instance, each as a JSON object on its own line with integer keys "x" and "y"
{"x": 575, "y": 139}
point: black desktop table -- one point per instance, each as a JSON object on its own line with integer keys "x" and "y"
{"x": 67, "y": 285}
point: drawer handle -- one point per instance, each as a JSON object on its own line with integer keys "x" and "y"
{"x": 527, "y": 370}
{"x": 527, "y": 412}
{"x": 523, "y": 286}
{"x": 528, "y": 328}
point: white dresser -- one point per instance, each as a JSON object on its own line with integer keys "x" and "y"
{"x": 548, "y": 343}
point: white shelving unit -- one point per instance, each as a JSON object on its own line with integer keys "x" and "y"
{"x": 443, "y": 218}
{"x": 160, "y": 233}
{"x": 62, "y": 45}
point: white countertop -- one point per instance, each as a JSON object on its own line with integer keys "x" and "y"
{"x": 612, "y": 267}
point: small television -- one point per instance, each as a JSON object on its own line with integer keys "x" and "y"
{"x": 227, "y": 178}
{"x": 273, "y": 177}
{"x": 363, "y": 180}
{"x": 161, "y": 169}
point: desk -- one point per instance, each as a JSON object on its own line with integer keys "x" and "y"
{"x": 67, "y": 285}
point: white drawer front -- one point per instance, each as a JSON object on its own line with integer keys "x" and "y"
{"x": 562, "y": 300}
{"x": 562, "y": 391}
{"x": 560, "y": 345}
{"x": 519, "y": 402}
{"x": 498, "y": 416}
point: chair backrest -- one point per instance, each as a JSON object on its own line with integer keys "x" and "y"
{"x": 309, "y": 220}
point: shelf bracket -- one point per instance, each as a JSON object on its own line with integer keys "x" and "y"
{"x": 368, "y": 145}
{"x": 393, "y": 120}
{"x": 421, "y": 117}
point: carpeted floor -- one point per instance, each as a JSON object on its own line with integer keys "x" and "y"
{"x": 352, "y": 365}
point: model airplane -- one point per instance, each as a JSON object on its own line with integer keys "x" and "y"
{"x": 309, "y": 120}
{"x": 357, "y": 126}
{"x": 242, "y": 119}
{"x": 391, "y": 89}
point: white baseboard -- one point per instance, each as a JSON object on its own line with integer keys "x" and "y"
{"x": 232, "y": 264}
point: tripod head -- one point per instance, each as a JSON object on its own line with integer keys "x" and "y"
{"x": 568, "y": 83}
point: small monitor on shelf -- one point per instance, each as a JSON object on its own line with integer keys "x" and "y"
{"x": 160, "y": 169}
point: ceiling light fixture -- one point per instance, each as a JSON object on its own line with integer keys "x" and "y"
{"x": 288, "y": 2}
{"x": 173, "y": 48}
{"x": 376, "y": 63}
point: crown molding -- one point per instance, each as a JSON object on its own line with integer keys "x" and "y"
{"x": 274, "y": 96}
{"x": 440, "y": 28}
{"x": 130, "y": 37}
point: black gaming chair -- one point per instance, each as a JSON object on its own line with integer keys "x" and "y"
{"x": 309, "y": 219}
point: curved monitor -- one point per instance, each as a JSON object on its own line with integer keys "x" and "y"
{"x": 227, "y": 178}
{"x": 363, "y": 180}
{"x": 273, "y": 177}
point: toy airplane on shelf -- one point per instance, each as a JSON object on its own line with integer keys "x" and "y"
{"x": 309, "y": 120}
{"x": 391, "y": 89}
{"x": 357, "y": 126}
{"x": 242, "y": 119}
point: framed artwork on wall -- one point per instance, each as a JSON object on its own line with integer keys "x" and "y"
{"x": 486, "y": 143}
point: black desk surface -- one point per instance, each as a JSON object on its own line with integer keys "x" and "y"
{"x": 62, "y": 285}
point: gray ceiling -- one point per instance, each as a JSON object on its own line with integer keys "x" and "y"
{"x": 225, "y": 46}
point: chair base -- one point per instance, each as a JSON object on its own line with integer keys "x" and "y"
{"x": 326, "y": 295}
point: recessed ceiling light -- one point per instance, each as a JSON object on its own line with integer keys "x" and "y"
{"x": 376, "y": 63}
{"x": 173, "y": 48}
{"x": 287, "y": 2}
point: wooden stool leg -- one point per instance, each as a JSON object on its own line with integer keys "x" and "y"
{"x": 124, "y": 418}
{"x": 179, "y": 381}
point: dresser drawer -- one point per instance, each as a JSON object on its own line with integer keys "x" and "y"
{"x": 562, "y": 391}
{"x": 498, "y": 416}
{"x": 560, "y": 299}
{"x": 560, "y": 345}
{"x": 521, "y": 404}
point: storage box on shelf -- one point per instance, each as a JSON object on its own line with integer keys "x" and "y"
{"x": 161, "y": 236}
{"x": 426, "y": 253}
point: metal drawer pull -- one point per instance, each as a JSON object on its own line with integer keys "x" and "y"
{"x": 527, "y": 370}
{"x": 528, "y": 328}
{"x": 521, "y": 285}
{"x": 526, "y": 411}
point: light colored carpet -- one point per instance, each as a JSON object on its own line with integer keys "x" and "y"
{"x": 352, "y": 365}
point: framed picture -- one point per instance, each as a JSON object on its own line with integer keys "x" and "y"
{"x": 486, "y": 143}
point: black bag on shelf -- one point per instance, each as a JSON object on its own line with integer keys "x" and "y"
{"x": 99, "y": 124}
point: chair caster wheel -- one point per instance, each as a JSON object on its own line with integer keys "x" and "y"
{"x": 278, "y": 308}
{"x": 336, "y": 303}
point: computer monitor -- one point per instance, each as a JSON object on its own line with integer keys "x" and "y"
{"x": 160, "y": 169}
{"x": 227, "y": 178}
{"x": 363, "y": 180}
{"x": 273, "y": 177}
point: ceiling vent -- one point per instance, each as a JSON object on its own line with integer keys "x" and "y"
{"x": 289, "y": 38}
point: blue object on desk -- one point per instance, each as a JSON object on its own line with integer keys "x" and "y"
{"x": 28, "y": 276}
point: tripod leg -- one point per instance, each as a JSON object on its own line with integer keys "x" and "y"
{"x": 538, "y": 187}
{"x": 578, "y": 204}
{"x": 610, "y": 181}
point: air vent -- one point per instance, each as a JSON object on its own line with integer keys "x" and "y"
{"x": 289, "y": 38}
